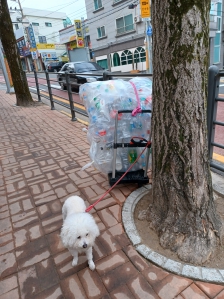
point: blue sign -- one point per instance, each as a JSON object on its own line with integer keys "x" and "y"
{"x": 31, "y": 37}
{"x": 149, "y": 31}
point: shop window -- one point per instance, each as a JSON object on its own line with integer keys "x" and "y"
{"x": 97, "y": 4}
{"x": 124, "y": 24}
{"x": 103, "y": 63}
{"x": 126, "y": 57}
{"x": 139, "y": 55}
{"x": 101, "y": 31}
{"x": 116, "y": 59}
{"x": 42, "y": 39}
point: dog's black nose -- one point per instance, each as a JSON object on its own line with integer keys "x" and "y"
{"x": 84, "y": 245}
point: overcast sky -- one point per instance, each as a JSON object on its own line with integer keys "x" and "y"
{"x": 74, "y": 9}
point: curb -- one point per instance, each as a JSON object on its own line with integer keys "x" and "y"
{"x": 205, "y": 274}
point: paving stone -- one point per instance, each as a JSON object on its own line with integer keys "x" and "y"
{"x": 8, "y": 284}
{"x": 140, "y": 263}
{"x": 107, "y": 218}
{"x": 220, "y": 295}
{"x": 210, "y": 289}
{"x": 108, "y": 242}
{"x": 141, "y": 289}
{"x": 92, "y": 284}
{"x": 5, "y": 226}
{"x": 111, "y": 262}
{"x": 47, "y": 274}
{"x": 116, "y": 230}
{"x": 7, "y": 264}
{"x": 154, "y": 274}
{"x": 171, "y": 286}
{"x": 116, "y": 212}
{"x": 118, "y": 195}
{"x": 11, "y": 294}
{"x": 192, "y": 292}
{"x": 6, "y": 248}
{"x": 28, "y": 282}
{"x": 118, "y": 276}
{"x": 54, "y": 242}
{"x": 66, "y": 269}
{"x": 122, "y": 292}
{"x": 54, "y": 292}
{"x": 5, "y": 239}
{"x": 72, "y": 287}
{"x": 106, "y": 202}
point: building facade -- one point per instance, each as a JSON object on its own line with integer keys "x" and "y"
{"x": 37, "y": 36}
{"x": 118, "y": 33}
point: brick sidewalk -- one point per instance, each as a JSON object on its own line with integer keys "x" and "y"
{"x": 41, "y": 154}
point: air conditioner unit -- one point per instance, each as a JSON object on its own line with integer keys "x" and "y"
{"x": 137, "y": 19}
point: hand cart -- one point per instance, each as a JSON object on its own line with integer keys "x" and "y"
{"x": 137, "y": 176}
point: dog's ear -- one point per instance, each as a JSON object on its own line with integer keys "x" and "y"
{"x": 94, "y": 230}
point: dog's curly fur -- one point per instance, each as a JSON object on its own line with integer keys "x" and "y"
{"x": 79, "y": 229}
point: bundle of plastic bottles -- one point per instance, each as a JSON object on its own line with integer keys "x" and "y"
{"x": 102, "y": 100}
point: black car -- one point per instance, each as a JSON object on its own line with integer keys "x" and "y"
{"x": 55, "y": 66}
{"x": 77, "y": 71}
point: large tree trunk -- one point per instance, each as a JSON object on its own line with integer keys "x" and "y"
{"x": 10, "y": 48}
{"x": 183, "y": 211}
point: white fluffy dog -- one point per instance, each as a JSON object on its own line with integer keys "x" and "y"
{"x": 79, "y": 229}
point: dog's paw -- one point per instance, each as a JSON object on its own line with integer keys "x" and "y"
{"x": 91, "y": 265}
{"x": 74, "y": 262}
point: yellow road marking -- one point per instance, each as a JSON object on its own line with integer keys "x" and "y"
{"x": 218, "y": 158}
{"x": 78, "y": 119}
{"x": 64, "y": 101}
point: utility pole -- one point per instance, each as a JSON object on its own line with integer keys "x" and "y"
{"x": 148, "y": 46}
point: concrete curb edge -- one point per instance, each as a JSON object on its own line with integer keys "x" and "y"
{"x": 205, "y": 274}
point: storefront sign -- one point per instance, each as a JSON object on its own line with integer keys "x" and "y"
{"x": 78, "y": 28}
{"x": 72, "y": 45}
{"x": 31, "y": 37}
{"x": 145, "y": 8}
{"x": 45, "y": 46}
{"x": 48, "y": 55}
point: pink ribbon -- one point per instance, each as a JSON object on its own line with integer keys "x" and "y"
{"x": 138, "y": 108}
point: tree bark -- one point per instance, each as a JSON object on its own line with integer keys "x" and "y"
{"x": 7, "y": 37}
{"x": 183, "y": 211}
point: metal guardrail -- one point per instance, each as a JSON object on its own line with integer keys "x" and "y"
{"x": 106, "y": 76}
{"x": 212, "y": 103}
{"x": 214, "y": 76}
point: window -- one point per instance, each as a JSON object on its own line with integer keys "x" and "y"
{"x": 97, "y": 4}
{"x": 103, "y": 63}
{"x": 139, "y": 55}
{"x": 124, "y": 24}
{"x": 16, "y": 26}
{"x": 101, "y": 31}
{"x": 126, "y": 57}
{"x": 35, "y": 24}
{"x": 48, "y": 24}
{"x": 42, "y": 39}
{"x": 116, "y": 59}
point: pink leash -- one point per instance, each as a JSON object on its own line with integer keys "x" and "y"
{"x": 138, "y": 108}
{"x": 96, "y": 202}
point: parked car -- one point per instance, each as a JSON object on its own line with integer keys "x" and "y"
{"x": 77, "y": 71}
{"x": 55, "y": 66}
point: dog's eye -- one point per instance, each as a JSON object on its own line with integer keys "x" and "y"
{"x": 87, "y": 235}
{"x": 79, "y": 237}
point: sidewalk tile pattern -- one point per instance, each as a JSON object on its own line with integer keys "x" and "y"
{"x": 41, "y": 156}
